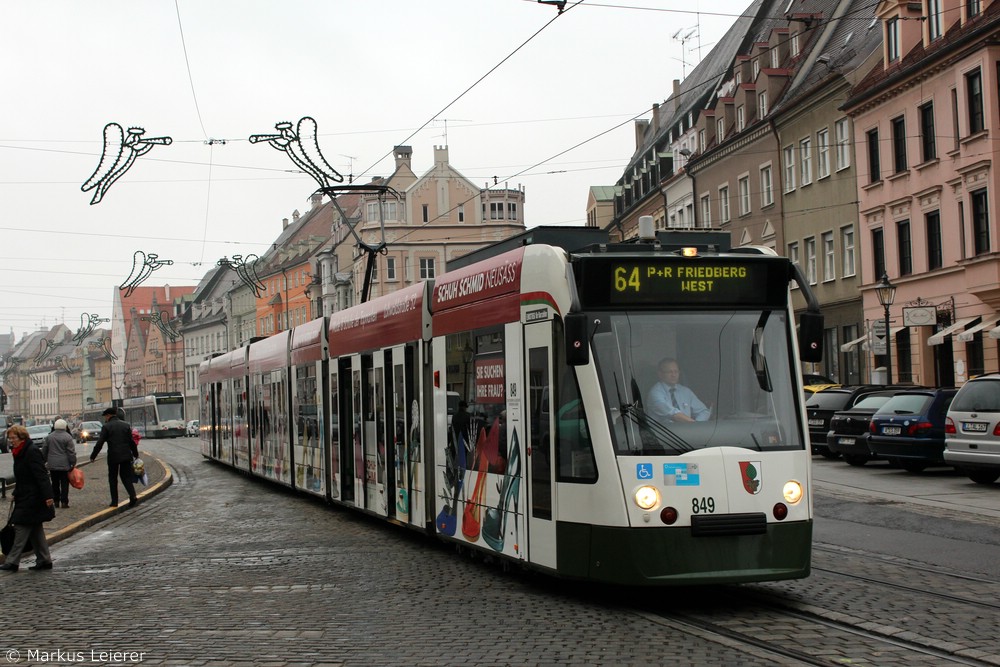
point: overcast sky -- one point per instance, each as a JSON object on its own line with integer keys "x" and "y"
{"x": 371, "y": 72}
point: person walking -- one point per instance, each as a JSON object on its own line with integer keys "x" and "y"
{"x": 121, "y": 450}
{"x": 33, "y": 502}
{"x": 59, "y": 452}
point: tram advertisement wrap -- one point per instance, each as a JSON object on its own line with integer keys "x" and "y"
{"x": 490, "y": 380}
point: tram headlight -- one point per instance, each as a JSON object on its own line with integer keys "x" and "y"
{"x": 647, "y": 497}
{"x": 792, "y": 491}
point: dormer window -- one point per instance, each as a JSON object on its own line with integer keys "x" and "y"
{"x": 740, "y": 119}
{"x": 892, "y": 39}
{"x": 973, "y": 8}
{"x": 762, "y": 104}
{"x": 756, "y": 68}
{"x": 775, "y": 58}
{"x": 739, "y": 77}
{"x": 933, "y": 19}
{"x": 720, "y": 130}
{"x": 795, "y": 45}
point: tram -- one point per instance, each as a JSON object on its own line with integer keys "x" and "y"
{"x": 559, "y": 464}
{"x": 157, "y": 415}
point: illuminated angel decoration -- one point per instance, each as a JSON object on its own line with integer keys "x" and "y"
{"x": 246, "y": 269}
{"x": 120, "y": 152}
{"x": 88, "y": 322}
{"x": 45, "y": 348}
{"x": 302, "y": 147}
{"x": 163, "y": 323}
{"x": 143, "y": 266}
{"x": 105, "y": 345}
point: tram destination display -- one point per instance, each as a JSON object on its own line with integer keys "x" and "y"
{"x": 641, "y": 281}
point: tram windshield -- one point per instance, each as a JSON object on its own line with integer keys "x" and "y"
{"x": 679, "y": 381}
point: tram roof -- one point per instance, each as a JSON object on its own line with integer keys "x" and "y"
{"x": 567, "y": 238}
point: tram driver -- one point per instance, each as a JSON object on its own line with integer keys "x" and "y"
{"x": 670, "y": 401}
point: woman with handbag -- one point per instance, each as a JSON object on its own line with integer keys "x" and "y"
{"x": 59, "y": 452}
{"x": 33, "y": 503}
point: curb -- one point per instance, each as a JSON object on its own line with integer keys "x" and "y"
{"x": 108, "y": 512}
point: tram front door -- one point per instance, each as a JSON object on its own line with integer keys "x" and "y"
{"x": 540, "y": 448}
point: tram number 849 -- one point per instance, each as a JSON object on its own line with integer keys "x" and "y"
{"x": 703, "y": 505}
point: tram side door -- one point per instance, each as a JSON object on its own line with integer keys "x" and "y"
{"x": 540, "y": 468}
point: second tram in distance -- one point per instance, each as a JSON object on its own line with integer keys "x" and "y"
{"x": 560, "y": 463}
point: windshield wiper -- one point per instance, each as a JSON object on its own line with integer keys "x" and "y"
{"x": 659, "y": 431}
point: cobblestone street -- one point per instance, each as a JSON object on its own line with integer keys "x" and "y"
{"x": 215, "y": 571}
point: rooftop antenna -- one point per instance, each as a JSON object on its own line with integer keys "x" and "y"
{"x": 445, "y": 121}
{"x": 684, "y": 35}
{"x": 350, "y": 166}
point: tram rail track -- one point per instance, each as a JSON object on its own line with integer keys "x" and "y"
{"x": 924, "y": 569}
{"x": 879, "y": 647}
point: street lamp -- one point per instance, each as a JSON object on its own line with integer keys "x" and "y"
{"x": 886, "y": 293}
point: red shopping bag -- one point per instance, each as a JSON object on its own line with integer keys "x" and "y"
{"x": 76, "y": 478}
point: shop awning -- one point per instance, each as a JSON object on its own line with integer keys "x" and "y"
{"x": 847, "y": 347}
{"x": 939, "y": 337}
{"x": 969, "y": 334}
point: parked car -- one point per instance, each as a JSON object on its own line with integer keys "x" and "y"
{"x": 192, "y": 427}
{"x": 909, "y": 428}
{"x": 87, "y": 431}
{"x": 38, "y": 433}
{"x": 848, "y": 434}
{"x": 816, "y": 378}
{"x": 820, "y": 407}
{"x": 972, "y": 429}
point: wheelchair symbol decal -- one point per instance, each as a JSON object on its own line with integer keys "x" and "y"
{"x": 644, "y": 470}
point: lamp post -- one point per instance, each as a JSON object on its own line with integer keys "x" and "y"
{"x": 886, "y": 293}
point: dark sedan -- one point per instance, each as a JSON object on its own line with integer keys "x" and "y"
{"x": 87, "y": 431}
{"x": 909, "y": 428}
{"x": 820, "y": 407}
{"x": 848, "y": 434}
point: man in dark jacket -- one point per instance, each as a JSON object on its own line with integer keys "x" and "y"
{"x": 121, "y": 451}
{"x": 33, "y": 503}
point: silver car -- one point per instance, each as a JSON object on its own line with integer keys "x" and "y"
{"x": 972, "y": 429}
{"x": 38, "y": 433}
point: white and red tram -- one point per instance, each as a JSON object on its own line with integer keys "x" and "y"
{"x": 557, "y": 466}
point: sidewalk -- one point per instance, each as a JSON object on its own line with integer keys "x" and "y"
{"x": 89, "y": 505}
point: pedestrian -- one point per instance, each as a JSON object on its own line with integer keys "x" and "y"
{"x": 121, "y": 450}
{"x": 33, "y": 502}
{"x": 59, "y": 452}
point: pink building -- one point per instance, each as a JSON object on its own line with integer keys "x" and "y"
{"x": 925, "y": 128}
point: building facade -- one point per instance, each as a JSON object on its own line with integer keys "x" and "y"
{"x": 924, "y": 121}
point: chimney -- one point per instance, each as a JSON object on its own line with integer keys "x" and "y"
{"x": 316, "y": 200}
{"x": 440, "y": 156}
{"x": 677, "y": 93}
{"x": 403, "y": 155}
{"x": 640, "y": 131}
{"x": 656, "y": 118}
{"x": 284, "y": 224}
{"x": 295, "y": 215}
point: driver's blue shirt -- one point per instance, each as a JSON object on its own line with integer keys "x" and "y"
{"x": 662, "y": 406}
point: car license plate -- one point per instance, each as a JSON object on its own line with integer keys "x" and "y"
{"x": 891, "y": 430}
{"x": 815, "y": 422}
{"x": 847, "y": 441}
{"x": 974, "y": 427}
